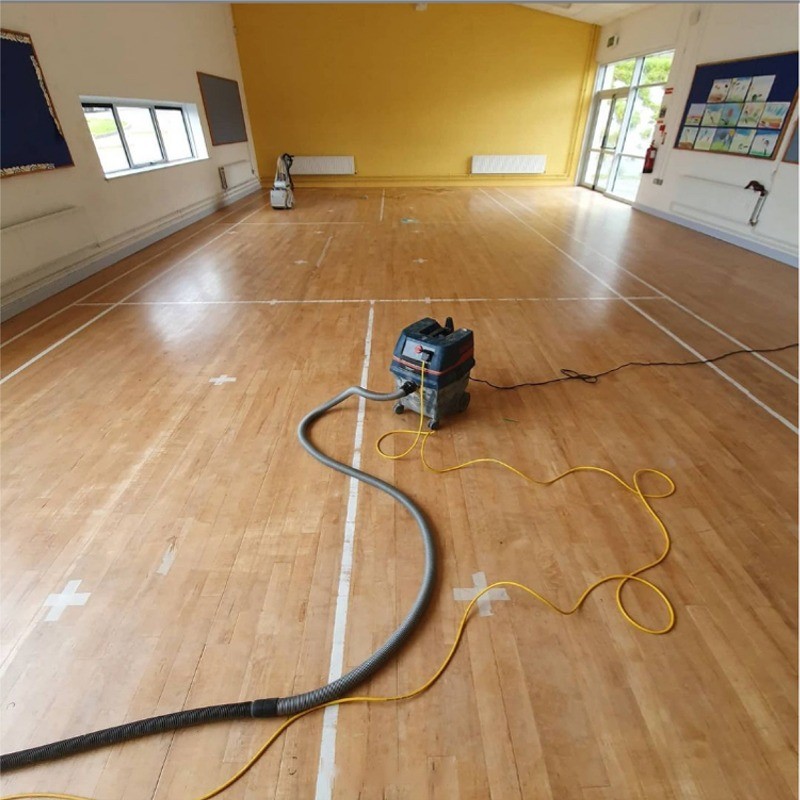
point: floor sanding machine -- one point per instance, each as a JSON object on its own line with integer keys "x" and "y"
{"x": 447, "y": 355}
{"x": 282, "y": 193}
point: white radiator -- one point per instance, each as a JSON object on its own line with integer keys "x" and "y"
{"x": 324, "y": 165}
{"x": 29, "y": 245}
{"x": 508, "y": 165}
{"x": 235, "y": 174}
{"x": 715, "y": 199}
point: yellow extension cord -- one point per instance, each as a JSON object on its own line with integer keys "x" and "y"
{"x": 621, "y": 579}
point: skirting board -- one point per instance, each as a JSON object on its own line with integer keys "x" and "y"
{"x": 381, "y": 181}
{"x": 78, "y": 272}
{"x": 730, "y": 238}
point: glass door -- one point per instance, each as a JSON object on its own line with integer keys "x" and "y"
{"x": 599, "y": 164}
{"x": 626, "y": 105}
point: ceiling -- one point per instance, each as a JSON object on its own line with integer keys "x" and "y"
{"x": 596, "y": 13}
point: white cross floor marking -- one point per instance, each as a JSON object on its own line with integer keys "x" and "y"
{"x": 69, "y": 597}
{"x": 222, "y": 379}
{"x": 420, "y": 260}
{"x": 485, "y": 602}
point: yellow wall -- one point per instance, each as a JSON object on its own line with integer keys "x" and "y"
{"x": 414, "y": 94}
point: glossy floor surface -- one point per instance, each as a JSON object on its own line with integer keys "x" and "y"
{"x": 167, "y": 544}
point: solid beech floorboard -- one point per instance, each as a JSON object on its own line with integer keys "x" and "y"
{"x": 210, "y": 545}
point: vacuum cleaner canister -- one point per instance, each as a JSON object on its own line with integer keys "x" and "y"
{"x": 448, "y": 357}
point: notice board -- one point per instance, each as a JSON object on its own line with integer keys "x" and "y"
{"x": 31, "y": 138}
{"x": 223, "y": 106}
{"x": 740, "y": 107}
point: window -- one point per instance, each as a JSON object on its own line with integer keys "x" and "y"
{"x": 133, "y": 135}
{"x": 103, "y": 127}
{"x": 618, "y": 74}
{"x": 174, "y": 134}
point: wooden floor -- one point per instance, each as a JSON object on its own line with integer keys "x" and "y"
{"x": 208, "y": 546}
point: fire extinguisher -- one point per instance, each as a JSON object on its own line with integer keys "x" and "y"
{"x": 650, "y": 158}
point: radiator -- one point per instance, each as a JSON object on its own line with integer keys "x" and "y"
{"x": 324, "y": 165}
{"x": 715, "y": 199}
{"x": 235, "y": 174}
{"x": 29, "y": 245}
{"x": 508, "y": 165}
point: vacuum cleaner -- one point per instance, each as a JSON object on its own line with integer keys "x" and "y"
{"x": 448, "y": 357}
{"x": 282, "y": 195}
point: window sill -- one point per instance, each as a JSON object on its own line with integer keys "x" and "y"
{"x": 152, "y": 167}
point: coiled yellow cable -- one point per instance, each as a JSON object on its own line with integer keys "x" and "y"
{"x": 421, "y": 437}
{"x": 621, "y": 579}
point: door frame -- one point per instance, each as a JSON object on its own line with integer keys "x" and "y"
{"x": 614, "y": 95}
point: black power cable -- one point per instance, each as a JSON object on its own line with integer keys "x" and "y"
{"x": 572, "y": 375}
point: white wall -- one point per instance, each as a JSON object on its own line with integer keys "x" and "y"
{"x": 702, "y": 33}
{"x": 146, "y": 51}
{"x": 647, "y": 31}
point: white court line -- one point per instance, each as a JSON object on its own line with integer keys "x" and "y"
{"x": 274, "y": 302}
{"x": 94, "y": 319}
{"x": 290, "y": 224}
{"x": 124, "y": 274}
{"x": 506, "y": 299}
{"x": 663, "y": 294}
{"x": 327, "y": 752}
{"x": 383, "y": 200}
{"x": 655, "y": 322}
{"x": 324, "y": 250}
{"x": 415, "y": 222}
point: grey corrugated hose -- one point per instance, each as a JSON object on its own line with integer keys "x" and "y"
{"x": 292, "y": 705}
{"x": 273, "y": 706}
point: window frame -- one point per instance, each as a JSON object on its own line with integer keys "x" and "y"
{"x": 114, "y": 104}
